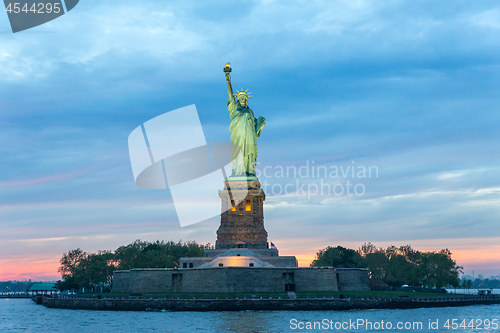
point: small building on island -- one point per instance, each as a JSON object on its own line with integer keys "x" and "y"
{"x": 43, "y": 288}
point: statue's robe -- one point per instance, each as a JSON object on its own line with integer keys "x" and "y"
{"x": 245, "y": 129}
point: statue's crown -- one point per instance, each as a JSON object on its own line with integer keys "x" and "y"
{"x": 243, "y": 93}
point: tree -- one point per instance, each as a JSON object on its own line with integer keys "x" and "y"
{"x": 95, "y": 269}
{"x": 69, "y": 263}
{"x": 377, "y": 263}
{"x": 395, "y": 266}
{"x": 368, "y": 248}
{"x": 399, "y": 270}
{"x": 67, "y": 283}
{"x": 88, "y": 270}
{"x": 82, "y": 270}
{"x": 70, "y": 260}
{"x": 156, "y": 255}
{"x": 337, "y": 257}
{"x": 144, "y": 255}
{"x": 440, "y": 270}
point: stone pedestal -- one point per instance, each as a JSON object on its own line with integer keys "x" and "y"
{"x": 242, "y": 216}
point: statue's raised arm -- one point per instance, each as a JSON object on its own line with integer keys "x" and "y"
{"x": 227, "y": 70}
{"x": 229, "y": 87}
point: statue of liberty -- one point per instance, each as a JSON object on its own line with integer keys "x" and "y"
{"x": 244, "y": 128}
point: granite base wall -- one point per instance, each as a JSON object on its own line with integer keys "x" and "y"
{"x": 353, "y": 279}
{"x": 238, "y": 280}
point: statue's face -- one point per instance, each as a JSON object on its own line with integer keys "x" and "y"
{"x": 242, "y": 99}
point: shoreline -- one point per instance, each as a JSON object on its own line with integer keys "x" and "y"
{"x": 137, "y": 303}
{"x": 15, "y": 296}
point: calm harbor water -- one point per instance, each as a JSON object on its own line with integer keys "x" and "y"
{"x": 23, "y": 315}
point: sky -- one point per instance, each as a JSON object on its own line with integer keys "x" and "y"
{"x": 410, "y": 89}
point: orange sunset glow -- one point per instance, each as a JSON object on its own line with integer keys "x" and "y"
{"x": 36, "y": 269}
{"x": 482, "y": 259}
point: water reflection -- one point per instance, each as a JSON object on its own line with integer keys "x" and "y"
{"x": 23, "y": 315}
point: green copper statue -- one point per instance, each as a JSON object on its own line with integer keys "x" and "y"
{"x": 244, "y": 128}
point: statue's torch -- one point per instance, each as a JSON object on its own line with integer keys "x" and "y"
{"x": 227, "y": 68}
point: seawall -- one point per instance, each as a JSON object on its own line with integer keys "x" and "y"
{"x": 201, "y": 304}
{"x": 239, "y": 280}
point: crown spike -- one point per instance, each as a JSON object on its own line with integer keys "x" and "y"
{"x": 243, "y": 92}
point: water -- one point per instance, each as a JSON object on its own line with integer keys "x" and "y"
{"x": 23, "y": 315}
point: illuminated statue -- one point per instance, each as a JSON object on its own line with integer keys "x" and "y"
{"x": 244, "y": 128}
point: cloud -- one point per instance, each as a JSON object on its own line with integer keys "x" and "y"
{"x": 37, "y": 180}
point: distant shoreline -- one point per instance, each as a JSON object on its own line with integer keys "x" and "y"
{"x": 132, "y": 303}
{"x": 19, "y": 295}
